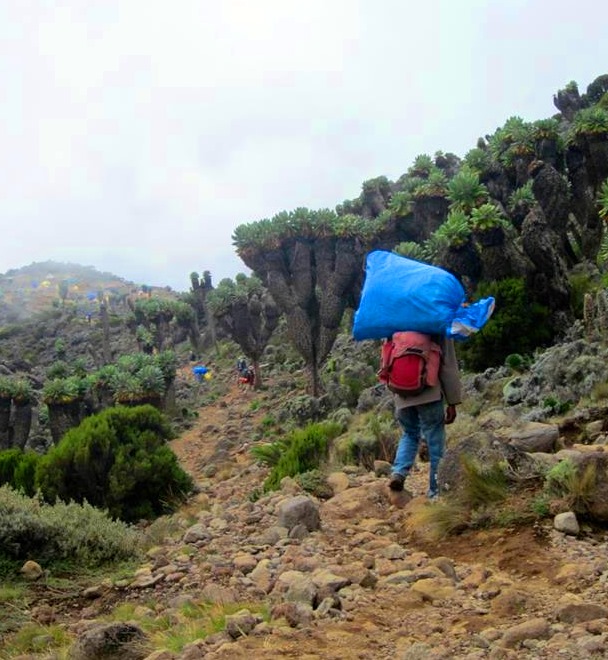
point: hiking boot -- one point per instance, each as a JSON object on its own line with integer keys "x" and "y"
{"x": 396, "y": 482}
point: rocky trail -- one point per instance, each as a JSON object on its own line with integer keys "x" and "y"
{"x": 347, "y": 577}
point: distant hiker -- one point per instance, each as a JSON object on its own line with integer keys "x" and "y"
{"x": 200, "y": 371}
{"x": 241, "y": 366}
{"x": 425, "y": 414}
{"x": 247, "y": 378}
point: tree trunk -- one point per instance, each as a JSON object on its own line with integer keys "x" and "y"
{"x": 22, "y": 424}
{"x": 62, "y": 418}
{"x": 314, "y": 382}
{"x": 105, "y": 343}
{"x": 5, "y": 419}
{"x": 168, "y": 404}
{"x": 257, "y": 375}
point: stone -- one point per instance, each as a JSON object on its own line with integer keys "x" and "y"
{"x": 434, "y": 589}
{"x": 299, "y": 510}
{"x": 580, "y": 612}
{"x": 537, "y": 628}
{"x": 197, "y": 533}
{"x": 382, "y": 468}
{"x": 31, "y": 570}
{"x": 338, "y": 481}
{"x": 110, "y": 641}
{"x": 446, "y": 566}
{"x": 296, "y": 614}
{"x": 567, "y": 523}
{"x": 241, "y": 623}
{"x": 326, "y": 580}
{"x": 535, "y": 437}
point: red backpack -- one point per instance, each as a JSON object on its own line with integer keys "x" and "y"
{"x": 409, "y": 363}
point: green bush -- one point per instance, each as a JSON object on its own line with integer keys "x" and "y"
{"x": 18, "y": 468}
{"x": 80, "y": 533}
{"x": 268, "y": 453}
{"x": 580, "y": 284}
{"x": 515, "y": 361}
{"x": 306, "y": 449}
{"x": 116, "y": 460}
{"x": 315, "y": 483}
{"x": 519, "y": 325}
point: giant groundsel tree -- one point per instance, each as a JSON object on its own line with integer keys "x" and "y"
{"x": 246, "y": 312}
{"x": 312, "y": 263}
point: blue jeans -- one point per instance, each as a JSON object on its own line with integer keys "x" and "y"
{"x": 428, "y": 421}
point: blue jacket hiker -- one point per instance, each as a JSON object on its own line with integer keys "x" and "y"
{"x": 425, "y": 415}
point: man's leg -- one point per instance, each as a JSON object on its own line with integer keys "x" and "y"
{"x": 432, "y": 423}
{"x": 407, "y": 447}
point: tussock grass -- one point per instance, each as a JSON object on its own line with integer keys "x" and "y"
{"x": 36, "y": 638}
{"x": 172, "y": 631}
{"x": 482, "y": 484}
{"x": 572, "y": 483}
{"x": 433, "y": 521}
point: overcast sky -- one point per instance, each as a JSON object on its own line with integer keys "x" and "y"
{"x": 135, "y": 135}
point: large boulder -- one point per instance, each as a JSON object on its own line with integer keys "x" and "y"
{"x": 593, "y": 500}
{"x": 110, "y": 641}
{"x": 299, "y": 510}
{"x": 484, "y": 447}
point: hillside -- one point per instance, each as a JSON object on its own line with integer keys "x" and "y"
{"x": 32, "y": 289}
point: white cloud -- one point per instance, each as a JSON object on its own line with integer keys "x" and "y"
{"x": 137, "y": 135}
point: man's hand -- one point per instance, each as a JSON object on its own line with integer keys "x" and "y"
{"x": 450, "y": 414}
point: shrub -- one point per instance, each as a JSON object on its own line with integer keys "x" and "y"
{"x": 18, "y": 468}
{"x": 515, "y": 361}
{"x": 519, "y": 325}
{"x": 306, "y": 448}
{"x": 116, "y": 460}
{"x": 386, "y": 434}
{"x": 268, "y": 453}
{"x": 580, "y": 284}
{"x": 9, "y": 459}
{"x": 31, "y": 528}
{"x": 315, "y": 483}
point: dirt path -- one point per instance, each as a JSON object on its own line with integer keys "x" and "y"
{"x": 504, "y": 577}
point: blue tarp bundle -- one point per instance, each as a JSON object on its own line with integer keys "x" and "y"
{"x": 200, "y": 372}
{"x": 404, "y": 294}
